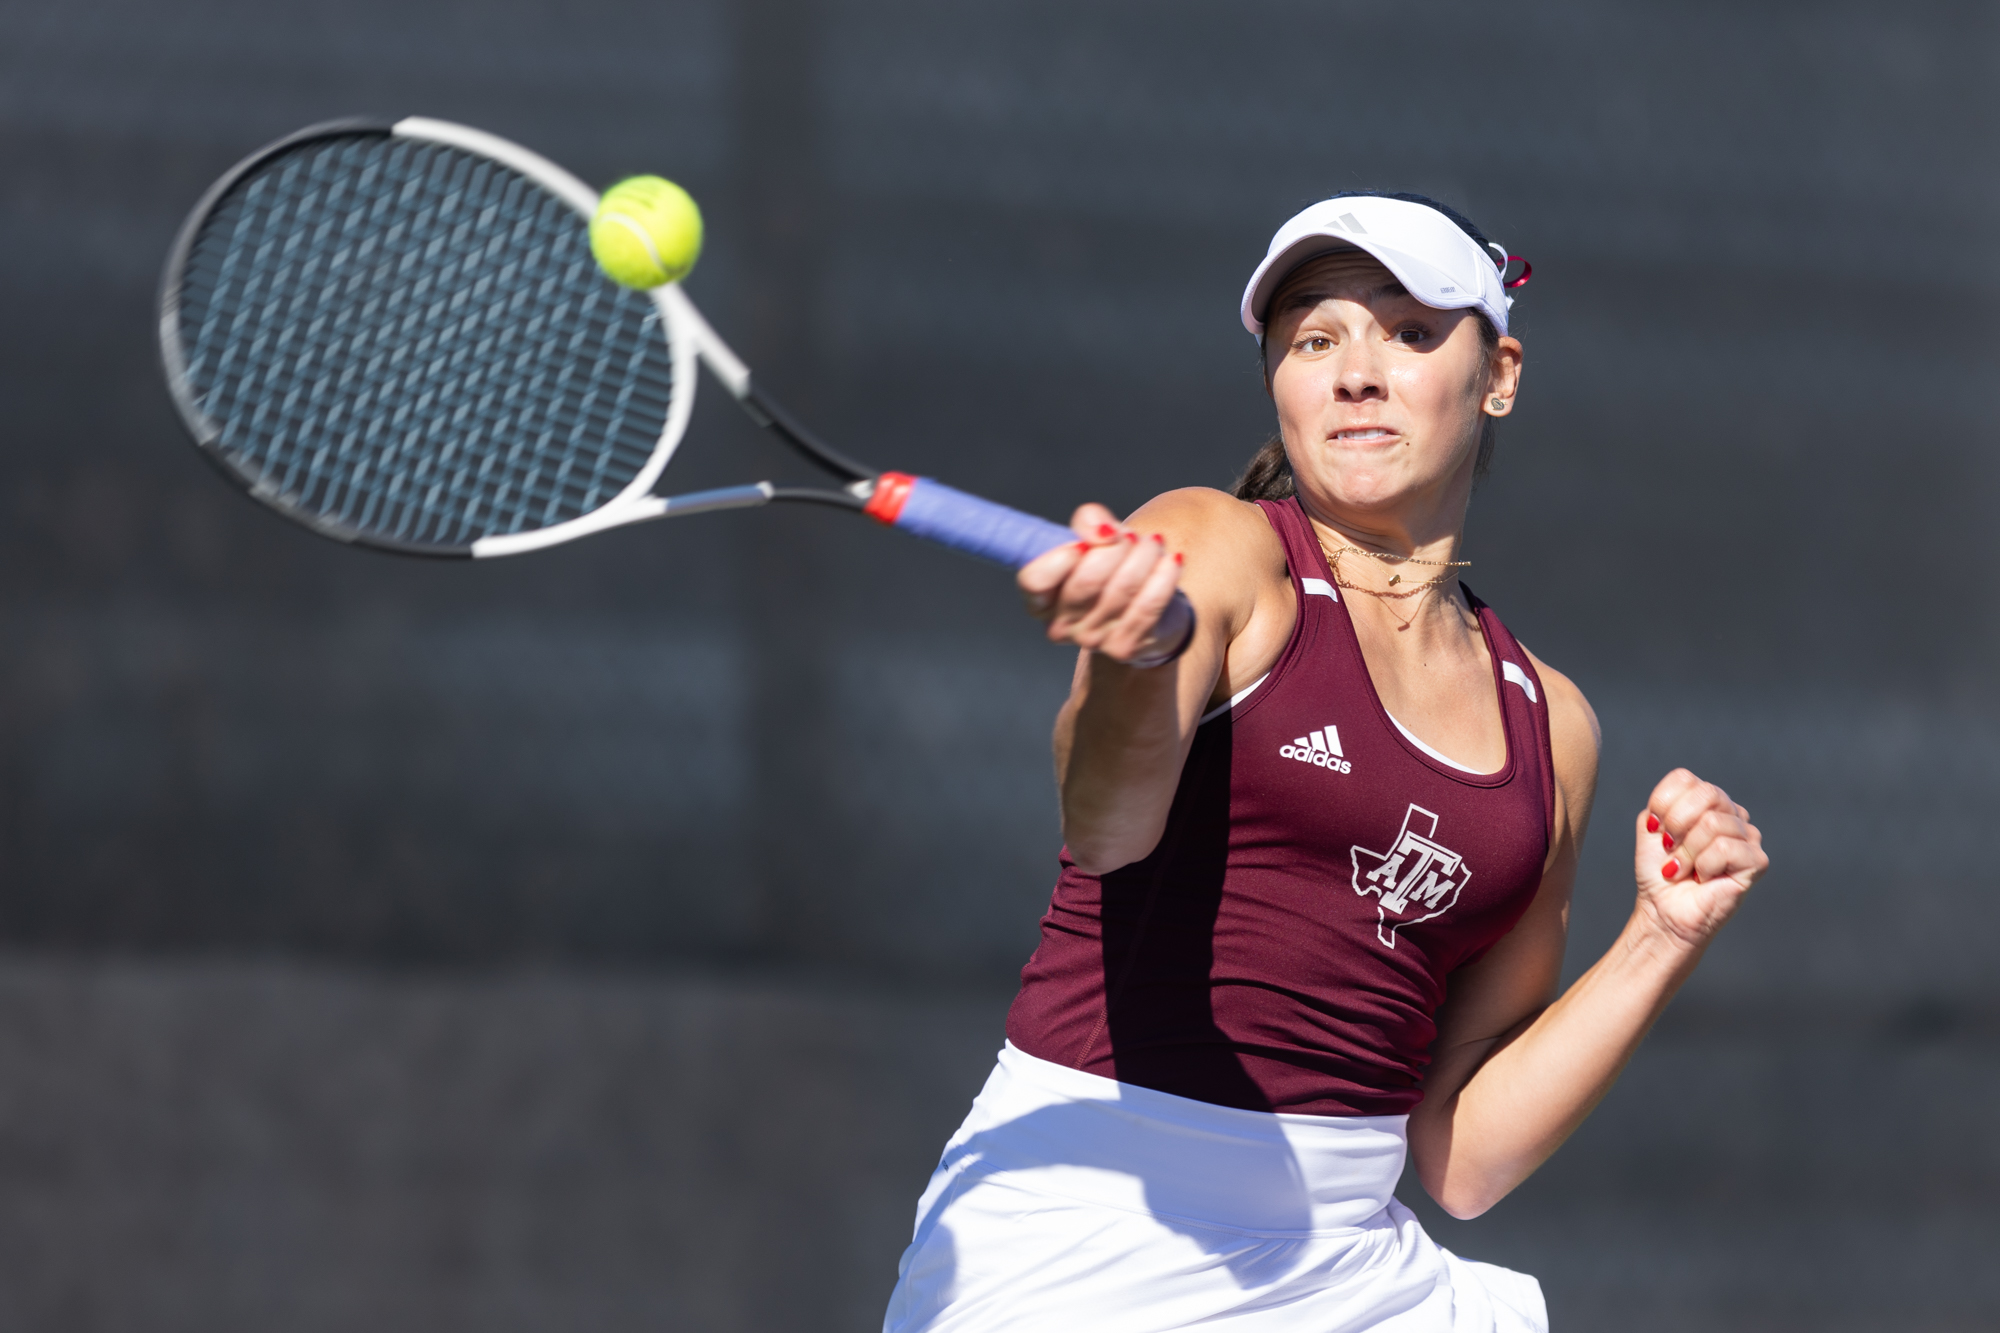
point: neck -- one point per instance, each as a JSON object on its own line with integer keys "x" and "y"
{"x": 1416, "y": 621}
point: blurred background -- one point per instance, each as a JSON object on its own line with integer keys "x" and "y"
{"x": 611, "y": 938}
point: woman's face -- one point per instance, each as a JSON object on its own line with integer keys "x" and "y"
{"x": 1379, "y": 396}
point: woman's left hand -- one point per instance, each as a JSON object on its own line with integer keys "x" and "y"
{"x": 1698, "y": 854}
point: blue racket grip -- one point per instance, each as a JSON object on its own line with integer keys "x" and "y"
{"x": 933, "y": 510}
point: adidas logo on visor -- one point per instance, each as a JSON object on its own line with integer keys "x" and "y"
{"x": 1319, "y": 748}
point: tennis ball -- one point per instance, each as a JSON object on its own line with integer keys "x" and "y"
{"x": 646, "y": 233}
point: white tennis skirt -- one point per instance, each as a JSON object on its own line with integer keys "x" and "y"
{"x": 1069, "y": 1201}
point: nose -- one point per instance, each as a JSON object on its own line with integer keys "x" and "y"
{"x": 1360, "y": 378}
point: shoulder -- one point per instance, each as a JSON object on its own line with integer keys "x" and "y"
{"x": 1205, "y": 511}
{"x": 1234, "y": 559}
{"x": 1574, "y": 740}
{"x": 1224, "y": 532}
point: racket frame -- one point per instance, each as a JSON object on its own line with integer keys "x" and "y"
{"x": 690, "y": 340}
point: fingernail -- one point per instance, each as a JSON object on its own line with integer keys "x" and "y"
{"x": 1670, "y": 869}
{"x": 1652, "y": 823}
{"x": 1083, "y": 546}
{"x": 1177, "y": 558}
{"x": 1132, "y": 537}
{"x": 1159, "y": 539}
{"x": 1106, "y": 531}
{"x": 1666, "y": 842}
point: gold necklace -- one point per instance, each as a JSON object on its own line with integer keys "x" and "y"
{"x": 1333, "y": 555}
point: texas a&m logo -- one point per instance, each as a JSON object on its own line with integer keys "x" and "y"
{"x": 1415, "y": 880}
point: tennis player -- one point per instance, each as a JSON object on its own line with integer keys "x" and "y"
{"x": 1320, "y": 848}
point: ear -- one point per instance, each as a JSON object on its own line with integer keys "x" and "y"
{"x": 1503, "y": 378}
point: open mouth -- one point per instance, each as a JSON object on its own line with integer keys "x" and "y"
{"x": 1364, "y": 434}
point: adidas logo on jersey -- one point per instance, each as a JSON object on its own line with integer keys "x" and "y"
{"x": 1320, "y": 748}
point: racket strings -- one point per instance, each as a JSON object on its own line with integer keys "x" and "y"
{"x": 413, "y": 342}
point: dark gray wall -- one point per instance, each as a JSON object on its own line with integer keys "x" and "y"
{"x": 380, "y": 928}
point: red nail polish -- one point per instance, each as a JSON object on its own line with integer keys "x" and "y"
{"x": 1670, "y": 869}
{"x": 1666, "y": 842}
{"x": 1159, "y": 539}
{"x": 1652, "y": 823}
{"x": 1083, "y": 546}
{"x": 1106, "y": 531}
{"x": 1132, "y": 537}
{"x": 1177, "y": 558}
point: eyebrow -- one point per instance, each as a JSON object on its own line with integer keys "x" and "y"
{"x": 1309, "y": 296}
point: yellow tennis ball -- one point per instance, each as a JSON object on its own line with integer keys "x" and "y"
{"x": 647, "y": 232}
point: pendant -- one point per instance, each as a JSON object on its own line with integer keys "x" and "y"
{"x": 1394, "y": 579}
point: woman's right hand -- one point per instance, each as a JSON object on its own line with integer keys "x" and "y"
{"x": 1110, "y": 591}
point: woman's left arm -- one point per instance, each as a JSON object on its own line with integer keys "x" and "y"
{"x": 1512, "y": 1075}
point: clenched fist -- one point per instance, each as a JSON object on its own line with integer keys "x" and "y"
{"x": 1113, "y": 591}
{"x": 1698, "y": 854}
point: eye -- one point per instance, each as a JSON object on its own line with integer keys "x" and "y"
{"x": 1412, "y": 335}
{"x": 1314, "y": 343}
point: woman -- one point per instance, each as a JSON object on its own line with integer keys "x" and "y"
{"x": 1320, "y": 847}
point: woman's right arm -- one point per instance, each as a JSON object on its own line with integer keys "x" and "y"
{"x": 1124, "y": 733}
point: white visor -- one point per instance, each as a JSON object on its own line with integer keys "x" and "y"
{"x": 1434, "y": 260}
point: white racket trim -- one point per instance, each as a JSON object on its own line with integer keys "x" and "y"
{"x": 530, "y": 164}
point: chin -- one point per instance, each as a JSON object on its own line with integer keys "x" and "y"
{"x": 1372, "y": 487}
{"x": 1372, "y": 494}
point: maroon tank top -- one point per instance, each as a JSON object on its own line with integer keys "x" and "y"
{"x": 1285, "y": 947}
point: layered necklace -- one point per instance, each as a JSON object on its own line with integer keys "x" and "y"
{"x": 1393, "y": 593}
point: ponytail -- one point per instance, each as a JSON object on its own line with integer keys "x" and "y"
{"x": 1269, "y": 476}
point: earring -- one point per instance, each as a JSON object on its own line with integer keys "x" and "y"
{"x": 1499, "y": 404}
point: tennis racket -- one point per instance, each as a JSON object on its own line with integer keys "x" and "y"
{"x": 395, "y": 334}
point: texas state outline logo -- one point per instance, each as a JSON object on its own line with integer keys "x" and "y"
{"x": 1416, "y": 875}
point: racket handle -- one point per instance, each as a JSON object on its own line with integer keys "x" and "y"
{"x": 933, "y": 510}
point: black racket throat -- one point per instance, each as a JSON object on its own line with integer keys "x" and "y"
{"x": 787, "y": 428}
{"x": 818, "y": 496}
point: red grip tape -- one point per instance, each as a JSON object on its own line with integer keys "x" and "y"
{"x": 892, "y": 491}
